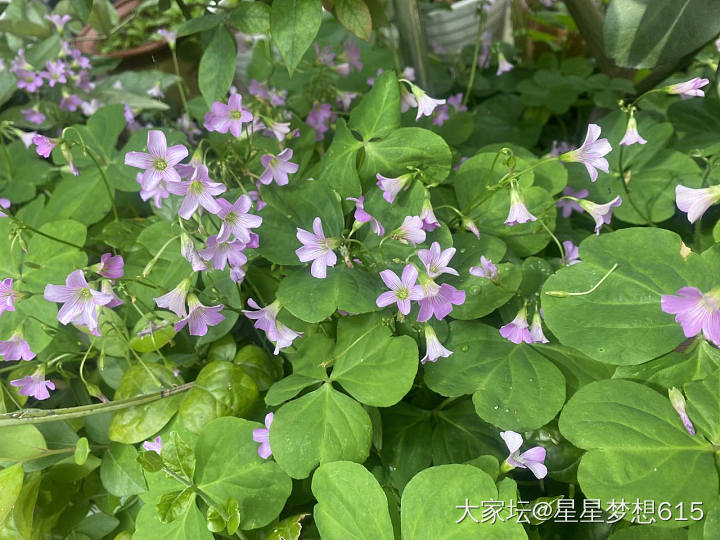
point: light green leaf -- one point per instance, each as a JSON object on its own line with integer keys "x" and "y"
{"x": 339, "y": 170}
{"x": 190, "y": 525}
{"x": 178, "y": 456}
{"x": 351, "y": 503}
{"x": 294, "y": 25}
{"x": 120, "y": 472}
{"x": 11, "y": 481}
{"x": 251, "y": 18}
{"x": 175, "y": 504}
{"x": 217, "y": 65}
{"x": 378, "y": 113}
{"x": 355, "y": 16}
{"x": 20, "y": 443}
{"x": 703, "y": 399}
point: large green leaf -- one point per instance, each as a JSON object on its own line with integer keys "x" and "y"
{"x": 430, "y": 506}
{"x": 351, "y": 503}
{"x": 120, "y": 472}
{"x": 621, "y": 322}
{"x": 294, "y": 25}
{"x": 217, "y": 65}
{"x": 513, "y": 386}
{"x": 704, "y": 406}
{"x": 378, "y": 112}
{"x": 228, "y": 466}
{"x": 51, "y": 261}
{"x": 637, "y": 447}
{"x": 319, "y": 427}
{"x": 190, "y": 525}
{"x": 11, "y": 481}
{"x": 645, "y": 33}
{"x": 339, "y": 170}
{"x": 374, "y": 367}
{"x": 406, "y": 441}
{"x": 355, "y": 16}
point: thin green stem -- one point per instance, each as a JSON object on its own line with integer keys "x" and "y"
{"x": 476, "y": 53}
{"x": 627, "y": 190}
{"x": 557, "y": 242}
{"x": 179, "y": 82}
{"x": 32, "y": 229}
{"x": 110, "y": 191}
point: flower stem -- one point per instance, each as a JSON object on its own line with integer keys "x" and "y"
{"x": 110, "y": 191}
{"x": 24, "y": 225}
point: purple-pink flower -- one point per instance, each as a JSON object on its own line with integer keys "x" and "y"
{"x": 33, "y": 116}
{"x": 55, "y": 72}
{"x": 266, "y": 320}
{"x": 198, "y": 191}
{"x": 677, "y": 400}
{"x": 570, "y": 205}
{"x": 16, "y": 348}
{"x": 695, "y": 311}
{"x": 503, "y": 65}
{"x": 159, "y": 163}
{"x": 402, "y": 290}
{"x": 58, "y": 20}
{"x": 536, "y": 331}
{"x": 4, "y": 204}
{"x": 316, "y": 248}
{"x": 111, "y": 266}
{"x": 392, "y": 186}
{"x": 438, "y": 300}
{"x": 487, "y": 269}
{"x": 689, "y": 88}
{"x": 433, "y": 348}
{"x": 518, "y": 330}
{"x": 154, "y": 445}
{"x": 236, "y": 219}
{"x": 188, "y": 251}
{"x": 262, "y": 436}
{"x": 532, "y": 459}
{"x": 7, "y": 295}
{"x": 352, "y": 54}
{"x": 278, "y": 167}
{"x": 518, "y": 212}
{"x": 80, "y": 302}
{"x": 695, "y": 202}
{"x": 571, "y": 253}
{"x": 231, "y": 117}
{"x": 362, "y": 216}
{"x": 34, "y": 386}
{"x": 175, "y": 299}
{"x": 632, "y": 136}
{"x": 436, "y": 260}
{"x": 221, "y": 253}
{"x": 591, "y": 153}
{"x": 30, "y": 81}
{"x": 425, "y": 104}
{"x": 199, "y": 317}
{"x": 410, "y": 232}
{"x": 319, "y": 119}
{"x": 601, "y": 213}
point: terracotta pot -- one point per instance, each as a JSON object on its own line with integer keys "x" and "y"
{"x": 88, "y": 41}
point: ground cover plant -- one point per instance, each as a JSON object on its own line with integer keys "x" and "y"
{"x": 268, "y": 272}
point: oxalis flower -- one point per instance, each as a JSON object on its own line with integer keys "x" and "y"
{"x": 220, "y": 253}
{"x": 601, "y": 213}
{"x": 536, "y": 331}
{"x": 34, "y": 385}
{"x": 433, "y": 348}
{"x": 677, "y": 400}
{"x": 44, "y": 145}
{"x": 402, "y": 290}
{"x": 591, "y": 153}
{"x": 155, "y": 445}
{"x": 111, "y": 266}
{"x": 487, "y": 269}
{"x": 425, "y": 104}
{"x": 571, "y": 253}
{"x": 231, "y": 117}
{"x": 689, "y": 88}
{"x": 16, "y": 348}
{"x": 518, "y": 330}
{"x": 175, "y": 299}
{"x": 159, "y": 163}
{"x": 262, "y": 436}
{"x": 695, "y": 202}
{"x": 266, "y": 320}
{"x": 199, "y": 317}
{"x": 436, "y": 260}
{"x": 695, "y": 311}
{"x": 80, "y": 302}
{"x": 438, "y": 300}
{"x": 410, "y": 232}
{"x": 430, "y": 222}
{"x": 570, "y": 205}
{"x": 532, "y": 459}
{"x": 518, "y": 213}
{"x": 7, "y": 295}
{"x": 362, "y": 216}
{"x": 632, "y": 135}
{"x": 316, "y": 248}
{"x": 198, "y": 191}
{"x": 392, "y": 186}
{"x": 236, "y": 219}
{"x": 278, "y": 167}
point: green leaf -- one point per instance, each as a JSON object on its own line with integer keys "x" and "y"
{"x": 406, "y": 441}
{"x": 355, "y": 16}
{"x": 120, "y": 472}
{"x": 45, "y": 50}
{"x": 288, "y": 529}
{"x": 577, "y": 368}
{"x": 178, "y": 456}
{"x": 137, "y": 424}
{"x": 82, "y": 450}
{"x": 189, "y": 525}
{"x": 251, "y": 18}
{"x": 82, "y": 9}
{"x": 199, "y": 24}
{"x": 11, "y": 482}
{"x": 52, "y": 260}
{"x": 34, "y": 315}
{"x": 376, "y": 368}
{"x": 621, "y": 322}
{"x": 103, "y": 17}
{"x": 150, "y": 460}
{"x": 339, "y": 169}
{"x": 294, "y": 25}
{"x": 228, "y": 466}
{"x": 430, "y": 501}
{"x": 513, "y": 386}
{"x": 175, "y": 504}
{"x": 313, "y": 300}
{"x": 378, "y": 113}
{"x": 351, "y": 503}
{"x": 646, "y": 34}
{"x": 263, "y": 368}
{"x": 217, "y": 65}
{"x": 20, "y": 443}
{"x": 319, "y": 427}
{"x": 704, "y": 406}
{"x": 83, "y": 198}
{"x": 460, "y": 436}
{"x": 221, "y": 389}
{"x": 636, "y": 447}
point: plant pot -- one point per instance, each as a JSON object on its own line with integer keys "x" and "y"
{"x": 450, "y": 29}
{"x": 88, "y": 41}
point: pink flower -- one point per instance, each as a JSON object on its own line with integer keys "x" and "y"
{"x": 503, "y": 65}
{"x": 159, "y": 163}
{"x": 111, "y": 266}
{"x": 30, "y": 81}
{"x": 44, "y": 145}
{"x": 200, "y": 317}
{"x": 518, "y": 211}
{"x": 536, "y": 331}
{"x": 156, "y": 193}
{"x": 279, "y": 129}
{"x": 392, "y": 186}
{"x": 402, "y": 290}
{"x": 198, "y": 191}
{"x": 71, "y": 102}
{"x": 632, "y": 135}
{"x": 352, "y": 54}
{"x": 688, "y": 88}
{"x": 278, "y": 167}
{"x": 425, "y": 104}
{"x": 469, "y": 225}
{"x": 236, "y": 219}
{"x": 695, "y": 202}
{"x": 55, "y": 72}
{"x": 154, "y": 445}
{"x": 591, "y": 153}
{"x": 677, "y": 400}
{"x": 58, "y": 20}
{"x": 34, "y": 386}
{"x": 532, "y": 459}
{"x": 187, "y": 249}
{"x": 168, "y": 35}
{"x": 266, "y": 320}
{"x": 262, "y": 436}
{"x": 518, "y": 330}
{"x": 486, "y": 269}
{"x": 16, "y": 348}
{"x": 220, "y": 253}
{"x": 433, "y": 348}
{"x": 5, "y": 204}
{"x": 319, "y": 119}
{"x": 695, "y": 311}
{"x": 570, "y": 205}
{"x": 410, "y": 232}
{"x": 436, "y": 261}
{"x": 175, "y": 299}
{"x": 232, "y": 116}
{"x": 7, "y": 295}
{"x": 80, "y": 302}
{"x": 316, "y": 248}
{"x": 438, "y": 300}
{"x": 430, "y": 222}
{"x": 33, "y": 116}
{"x": 571, "y": 253}
{"x": 362, "y": 216}
{"x": 106, "y": 287}
{"x": 601, "y": 213}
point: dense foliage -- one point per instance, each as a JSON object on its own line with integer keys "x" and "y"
{"x": 271, "y": 286}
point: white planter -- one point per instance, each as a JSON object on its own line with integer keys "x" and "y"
{"x": 449, "y": 30}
